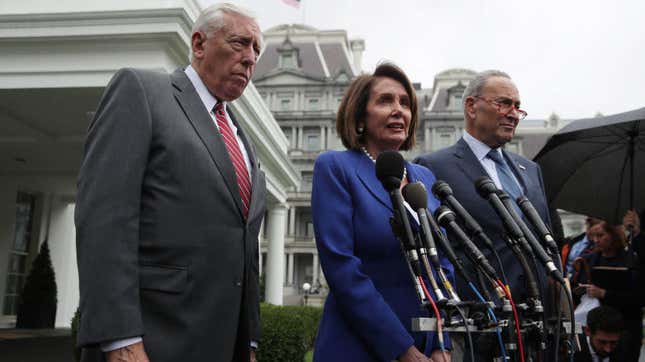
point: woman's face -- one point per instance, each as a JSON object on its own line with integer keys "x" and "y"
{"x": 387, "y": 120}
{"x": 600, "y": 237}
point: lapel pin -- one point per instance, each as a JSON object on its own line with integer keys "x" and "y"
{"x": 521, "y": 167}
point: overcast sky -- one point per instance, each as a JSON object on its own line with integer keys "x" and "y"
{"x": 571, "y": 57}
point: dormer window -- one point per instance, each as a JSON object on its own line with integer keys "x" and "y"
{"x": 287, "y": 60}
{"x": 288, "y": 55}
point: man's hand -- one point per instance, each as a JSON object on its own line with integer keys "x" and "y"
{"x": 631, "y": 219}
{"x": 132, "y": 353}
{"x": 252, "y": 359}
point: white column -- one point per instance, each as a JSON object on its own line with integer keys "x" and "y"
{"x": 323, "y": 143}
{"x": 275, "y": 255}
{"x": 290, "y": 269}
{"x": 62, "y": 246}
{"x": 300, "y": 138}
{"x": 292, "y": 221}
{"x": 315, "y": 269}
{"x": 426, "y": 139}
{"x": 294, "y": 140}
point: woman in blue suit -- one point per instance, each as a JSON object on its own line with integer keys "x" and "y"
{"x": 367, "y": 315}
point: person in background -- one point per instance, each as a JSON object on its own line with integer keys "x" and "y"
{"x": 614, "y": 284}
{"x": 367, "y": 314}
{"x": 578, "y": 246}
{"x": 602, "y": 337}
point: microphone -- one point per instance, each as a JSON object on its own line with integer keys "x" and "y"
{"x": 530, "y": 238}
{"x": 535, "y": 219}
{"x": 389, "y": 170}
{"x": 443, "y": 192}
{"x": 415, "y": 194}
{"x": 446, "y": 218}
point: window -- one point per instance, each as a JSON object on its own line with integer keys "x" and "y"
{"x": 25, "y": 204}
{"x": 442, "y": 137}
{"x": 312, "y": 142}
{"x": 285, "y": 104}
{"x": 455, "y": 102}
{"x": 307, "y": 180}
{"x": 313, "y": 104}
{"x": 288, "y": 60}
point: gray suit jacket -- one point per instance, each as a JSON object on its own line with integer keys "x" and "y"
{"x": 164, "y": 251}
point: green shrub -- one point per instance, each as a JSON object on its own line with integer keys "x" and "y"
{"x": 288, "y": 332}
{"x": 37, "y": 306}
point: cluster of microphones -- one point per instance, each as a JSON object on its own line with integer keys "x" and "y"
{"x": 420, "y": 247}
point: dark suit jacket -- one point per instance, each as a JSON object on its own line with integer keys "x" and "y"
{"x": 367, "y": 314}
{"x": 164, "y": 251}
{"x": 458, "y": 166}
{"x": 585, "y": 356}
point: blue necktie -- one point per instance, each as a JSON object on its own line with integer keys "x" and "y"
{"x": 505, "y": 175}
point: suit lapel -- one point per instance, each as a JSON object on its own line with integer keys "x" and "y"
{"x": 468, "y": 162}
{"x": 192, "y": 106}
{"x": 366, "y": 172}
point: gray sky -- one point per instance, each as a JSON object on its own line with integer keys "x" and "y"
{"x": 572, "y": 57}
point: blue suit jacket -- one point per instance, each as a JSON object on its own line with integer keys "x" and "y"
{"x": 372, "y": 299}
{"x": 459, "y": 166}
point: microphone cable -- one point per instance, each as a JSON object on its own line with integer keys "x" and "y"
{"x": 491, "y": 314}
{"x": 437, "y": 314}
{"x": 516, "y": 317}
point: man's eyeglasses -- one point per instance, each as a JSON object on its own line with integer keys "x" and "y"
{"x": 504, "y": 106}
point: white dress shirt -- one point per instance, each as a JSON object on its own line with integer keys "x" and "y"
{"x": 481, "y": 150}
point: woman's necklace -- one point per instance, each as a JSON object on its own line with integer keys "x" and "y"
{"x": 405, "y": 170}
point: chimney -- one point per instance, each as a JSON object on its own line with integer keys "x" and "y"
{"x": 357, "y": 46}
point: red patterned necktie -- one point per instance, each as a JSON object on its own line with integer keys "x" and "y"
{"x": 241, "y": 172}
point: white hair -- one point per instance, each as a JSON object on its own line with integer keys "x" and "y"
{"x": 211, "y": 19}
{"x": 475, "y": 86}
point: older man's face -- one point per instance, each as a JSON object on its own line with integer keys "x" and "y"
{"x": 484, "y": 121}
{"x": 225, "y": 59}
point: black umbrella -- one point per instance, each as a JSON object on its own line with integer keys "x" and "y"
{"x": 596, "y": 166}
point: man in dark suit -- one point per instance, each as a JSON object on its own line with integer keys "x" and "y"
{"x": 602, "y": 339}
{"x": 492, "y": 112}
{"x": 169, "y": 206}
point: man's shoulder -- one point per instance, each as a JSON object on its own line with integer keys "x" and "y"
{"x": 436, "y": 156}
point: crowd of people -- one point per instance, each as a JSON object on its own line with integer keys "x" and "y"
{"x": 171, "y": 198}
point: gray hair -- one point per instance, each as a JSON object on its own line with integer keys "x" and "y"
{"x": 475, "y": 86}
{"x": 211, "y": 19}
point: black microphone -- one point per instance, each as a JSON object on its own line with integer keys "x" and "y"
{"x": 535, "y": 219}
{"x": 446, "y": 218}
{"x": 443, "y": 192}
{"x": 530, "y": 238}
{"x": 389, "y": 170}
{"x": 415, "y": 194}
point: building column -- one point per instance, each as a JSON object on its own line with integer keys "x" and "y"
{"x": 315, "y": 270}
{"x": 290, "y": 262}
{"x": 62, "y": 246}
{"x": 260, "y": 261}
{"x": 323, "y": 142}
{"x": 275, "y": 255}
{"x": 426, "y": 138}
{"x": 300, "y": 138}
{"x": 294, "y": 141}
{"x": 292, "y": 221}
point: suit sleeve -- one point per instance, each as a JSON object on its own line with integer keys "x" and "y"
{"x": 360, "y": 303}
{"x": 107, "y": 212}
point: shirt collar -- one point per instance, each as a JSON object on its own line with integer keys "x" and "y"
{"x": 479, "y": 148}
{"x": 204, "y": 94}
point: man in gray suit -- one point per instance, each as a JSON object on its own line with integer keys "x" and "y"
{"x": 170, "y": 202}
{"x": 492, "y": 112}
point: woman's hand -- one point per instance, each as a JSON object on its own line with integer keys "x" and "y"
{"x": 440, "y": 356}
{"x": 594, "y": 291}
{"x": 414, "y": 355}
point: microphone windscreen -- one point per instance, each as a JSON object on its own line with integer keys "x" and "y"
{"x": 415, "y": 194}
{"x": 389, "y": 169}
{"x": 485, "y": 186}
{"x": 441, "y": 189}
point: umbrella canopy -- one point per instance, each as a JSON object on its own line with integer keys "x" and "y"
{"x": 596, "y": 166}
